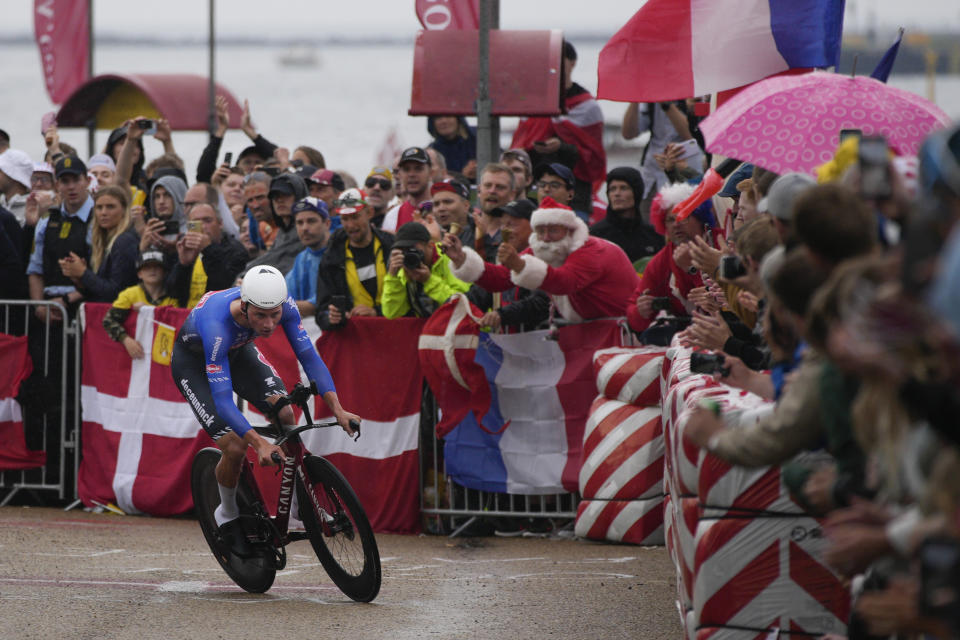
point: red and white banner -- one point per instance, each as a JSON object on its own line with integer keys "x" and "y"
{"x": 375, "y": 366}
{"x": 456, "y": 15}
{"x": 16, "y": 368}
{"x": 139, "y": 436}
{"x": 61, "y": 29}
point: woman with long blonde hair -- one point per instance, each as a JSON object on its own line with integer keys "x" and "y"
{"x": 114, "y": 249}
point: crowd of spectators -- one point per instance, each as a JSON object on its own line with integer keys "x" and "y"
{"x": 839, "y": 307}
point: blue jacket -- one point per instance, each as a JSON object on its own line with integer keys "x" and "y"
{"x": 459, "y": 151}
{"x": 302, "y": 278}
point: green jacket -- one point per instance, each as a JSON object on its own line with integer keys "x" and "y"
{"x": 402, "y": 297}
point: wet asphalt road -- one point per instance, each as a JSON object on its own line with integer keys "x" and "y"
{"x": 82, "y": 575}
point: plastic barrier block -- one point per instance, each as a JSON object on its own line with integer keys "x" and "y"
{"x": 631, "y": 521}
{"x": 622, "y": 452}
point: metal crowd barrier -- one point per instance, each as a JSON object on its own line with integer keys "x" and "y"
{"x": 450, "y": 509}
{"x": 51, "y": 407}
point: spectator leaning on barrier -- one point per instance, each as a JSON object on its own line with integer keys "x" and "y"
{"x": 451, "y": 206}
{"x": 150, "y": 291}
{"x": 208, "y": 259}
{"x": 58, "y": 235}
{"x": 623, "y": 224}
{"x": 114, "y": 249}
{"x": 418, "y": 275}
{"x": 586, "y": 277}
{"x": 285, "y": 190}
{"x": 414, "y": 169}
{"x": 353, "y": 268}
{"x": 379, "y": 189}
{"x": 313, "y": 228}
{"x": 16, "y": 169}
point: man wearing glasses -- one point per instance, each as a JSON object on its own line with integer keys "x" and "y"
{"x": 380, "y": 193}
{"x": 354, "y": 266}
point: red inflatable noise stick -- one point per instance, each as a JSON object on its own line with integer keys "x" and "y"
{"x": 710, "y": 186}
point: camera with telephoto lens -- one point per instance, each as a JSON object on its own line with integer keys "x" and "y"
{"x": 412, "y": 258}
{"x": 708, "y": 363}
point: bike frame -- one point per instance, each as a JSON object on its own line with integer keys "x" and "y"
{"x": 293, "y": 462}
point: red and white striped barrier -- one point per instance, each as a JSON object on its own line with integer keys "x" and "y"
{"x": 631, "y": 521}
{"x": 622, "y": 452}
{"x": 747, "y": 557}
{"x": 630, "y": 375}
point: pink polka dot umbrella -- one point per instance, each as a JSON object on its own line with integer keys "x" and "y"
{"x": 793, "y": 123}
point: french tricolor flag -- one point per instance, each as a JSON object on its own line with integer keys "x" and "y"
{"x": 674, "y": 49}
{"x": 531, "y": 439}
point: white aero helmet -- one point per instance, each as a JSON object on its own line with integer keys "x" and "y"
{"x": 264, "y": 287}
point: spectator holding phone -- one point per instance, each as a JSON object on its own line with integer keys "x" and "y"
{"x": 114, "y": 250}
{"x": 165, "y": 220}
{"x": 207, "y": 258}
{"x": 670, "y": 275}
{"x": 353, "y": 268}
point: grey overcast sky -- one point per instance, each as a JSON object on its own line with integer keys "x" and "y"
{"x": 273, "y": 19}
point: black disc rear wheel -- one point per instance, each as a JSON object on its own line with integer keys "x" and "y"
{"x": 339, "y": 530}
{"x": 251, "y": 574}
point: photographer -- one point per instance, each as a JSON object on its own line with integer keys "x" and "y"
{"x": 418, "y": 275}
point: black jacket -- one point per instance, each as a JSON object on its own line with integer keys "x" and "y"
{"x": 332, "y": 278}
{"x": 222, "y": 262}
{"x": 522, "y": 310}
{"x": 637, "y": 238}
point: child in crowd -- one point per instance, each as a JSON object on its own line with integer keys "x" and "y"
{"x": 150, "y": 291}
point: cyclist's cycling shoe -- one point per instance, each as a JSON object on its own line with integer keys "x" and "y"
{"x": 235, "y": 538}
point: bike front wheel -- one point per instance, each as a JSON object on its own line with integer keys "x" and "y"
{"x": 255, "y": 575}
{"x": 339, "y": 530}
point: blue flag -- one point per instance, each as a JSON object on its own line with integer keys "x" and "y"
{"x": 882, "y": 72}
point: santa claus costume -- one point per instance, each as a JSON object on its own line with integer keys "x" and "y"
{"x": 586, "y": 277}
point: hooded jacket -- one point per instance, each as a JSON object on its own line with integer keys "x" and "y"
{"x": 459, "y": 151}
{"x": 177, "y": 189}
{"x": 637, "y": 238}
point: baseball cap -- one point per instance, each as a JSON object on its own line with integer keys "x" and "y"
{"x": 328, "y": 178}
{"x": 69, "y": 164}
{"x": 350, "y": 201}
{"x": 381, "y": 170}
{"x": 518, "y": 154}
{"x": 783, "y": 193}
{"x": 43, "y": 167}
{"x": 410, "y": 234}
{"x": 102, "y": 160}
{"x": 305, "y": 171}
{"x": 453, "y": 186}
{"x": 523, "y": 208}
{"x": 730, "y": 190}
{"x": 17, "y": 165}
{"x": 414, "y": 154}
{"x": 311, "y": 203}
{"x": 556, "y": 169}
{"x": 150, "y": 256}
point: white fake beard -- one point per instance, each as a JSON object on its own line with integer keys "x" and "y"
{"x": 553, "y": 253}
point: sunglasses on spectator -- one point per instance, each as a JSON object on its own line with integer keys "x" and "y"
{"x": 383, "y": 183}
{"x": 348, "y": 202}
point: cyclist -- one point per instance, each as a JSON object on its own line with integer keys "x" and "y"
{"x": 214, "y": 355}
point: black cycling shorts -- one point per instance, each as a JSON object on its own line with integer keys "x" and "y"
{"x": 253, "y": 379}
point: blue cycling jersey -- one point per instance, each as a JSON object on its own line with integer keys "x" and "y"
{"x": 210, "y": 328}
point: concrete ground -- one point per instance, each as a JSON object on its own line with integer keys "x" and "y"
{"x": 83, "y": 575}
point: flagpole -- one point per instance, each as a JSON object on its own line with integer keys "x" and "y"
{"x": 211, "y": 85}
{"x": 488, "y": 125}
{"x": 92, "y": 123}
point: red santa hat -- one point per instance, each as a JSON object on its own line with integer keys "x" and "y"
{"x": 552, "y": 212}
